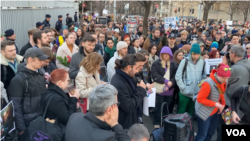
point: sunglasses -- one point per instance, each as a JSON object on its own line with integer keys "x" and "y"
{"x": 227, "y": 69}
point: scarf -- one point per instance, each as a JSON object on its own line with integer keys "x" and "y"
{"x": 109, "y": 51}
{"x": 156, "y": 41}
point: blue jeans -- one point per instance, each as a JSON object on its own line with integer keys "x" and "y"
{"x": 206, "y": 129}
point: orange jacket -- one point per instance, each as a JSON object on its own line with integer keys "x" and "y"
{"x": 205, "y": 91}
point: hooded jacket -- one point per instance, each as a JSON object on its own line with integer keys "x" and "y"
{"x": 26, "y": 96}
{"x": 192, "y": 77}
{"x": 240, "y": 75}
{"x": 158, "y": 72}
{"x": 131, "y": 49}
{"x": 111, "y": 66}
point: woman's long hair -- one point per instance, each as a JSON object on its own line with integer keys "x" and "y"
{"x": 91, "y": 62}
{"x": 176, "y": 54}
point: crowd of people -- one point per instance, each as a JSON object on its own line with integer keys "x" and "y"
{"x": 66, "y": 63}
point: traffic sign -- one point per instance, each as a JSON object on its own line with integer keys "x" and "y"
{"x": 156, "y": 5}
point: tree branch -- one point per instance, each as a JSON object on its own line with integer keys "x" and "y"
{"x": 142, "y": 3}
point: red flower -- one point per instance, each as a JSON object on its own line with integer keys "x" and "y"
{"x": 69, "y": 59}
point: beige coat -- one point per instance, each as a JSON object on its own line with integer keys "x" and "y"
{"x": 64, "y": 51}
{"x": 85, "y": 83}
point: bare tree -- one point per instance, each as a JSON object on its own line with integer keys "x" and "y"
{"x": 146, "y": 5}
{"x": 231, "y": 9}
{"x": 207, "y": 6}
{"x": 244, "y": 6}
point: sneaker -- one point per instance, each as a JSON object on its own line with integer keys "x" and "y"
{"x": 156, "y": 126}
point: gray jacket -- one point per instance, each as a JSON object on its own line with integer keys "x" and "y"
{"x": 240, "y": 75}
{"x": 192, "y": 77}
{"x": 203, "y": 111}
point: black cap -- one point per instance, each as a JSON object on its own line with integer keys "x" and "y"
{"x": 35, "y": 52}
{"x": 59, "y": 16}
{"x": 67, "y": 14}
{"x": 38, "y": 24}
{"x": 172, "y": 35}
{"x": 75, "y": 12}
{"x": 47, "y": 16}
{"x": 9, "y": 32}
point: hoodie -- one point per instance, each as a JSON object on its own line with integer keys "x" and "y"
{"x": 131, "y": 49}
{"x": 158, "y": 72}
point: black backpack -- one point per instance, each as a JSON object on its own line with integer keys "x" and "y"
{"x": 42, "y": 129}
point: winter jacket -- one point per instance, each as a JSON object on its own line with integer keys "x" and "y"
{"x": 26, "y": 90}
{"x": 63, "y": 51}
{"x": 75, "y": 18}
{"x": 240, "y": 75}
{"x": 50, "y": 67}
{"x": 61, "y": 106}
{"x": 111, "y": 66}
{"x": 7, "y": 73}
{"x": 76, "y": 59}
{"x": 220, "y": 43}
{"x": 208, "y": 95}
{"x": 131, "y": 49}
{"x": 25, "y": 47}
{"x": 148, "y": 41}
{"x": 86, "y": 82}
{"x": 46, "y": 23}
{"x": 192, "y": 77}
{"x": 81, "y": 126}
{"x": 59, "y": 25}
{"x": 130, "y": 97}
{"x": 157, "y": 72}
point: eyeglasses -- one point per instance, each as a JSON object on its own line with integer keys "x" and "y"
{"x": 118, "y": 103}
{"x": 227, "y": 69}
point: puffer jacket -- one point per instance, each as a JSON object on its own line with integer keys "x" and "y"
{"x": 26, "y": 97}
{"x": 192, "y": 77}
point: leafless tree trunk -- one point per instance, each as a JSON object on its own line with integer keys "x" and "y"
{"x": 146, "y": 5}
{"x": 207, "y": 6}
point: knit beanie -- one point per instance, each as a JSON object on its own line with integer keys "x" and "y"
{"x": 215, "y": 45}
{"x": 223, "y": 70}
{"x": 195, "y": 49}
{"x": 65, "y": 27}
{"x": 121, "y": 45}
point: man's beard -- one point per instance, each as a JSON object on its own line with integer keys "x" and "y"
{"x": 45, "y": 44}
{"x": 88, "y": 51}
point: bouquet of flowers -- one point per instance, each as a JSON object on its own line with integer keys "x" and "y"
{"x": 65, "y": 61}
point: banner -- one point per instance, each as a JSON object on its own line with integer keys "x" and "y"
{"x": 172, "y": 21}
{"x": 131, "y": 26}
{"x": 7, "y": 120}
{"x": 212, "y": 64}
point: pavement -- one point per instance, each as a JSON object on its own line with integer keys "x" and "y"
{"x": 148, "y": 122}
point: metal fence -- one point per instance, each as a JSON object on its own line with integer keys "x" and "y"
{"x": 21, "y": 20}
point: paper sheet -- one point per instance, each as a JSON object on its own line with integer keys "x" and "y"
{"x": 149, "y": 102}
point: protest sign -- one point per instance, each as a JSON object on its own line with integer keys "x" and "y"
{"x": 172, "y": 21}
{"x": 149, "y": 102}
{"x": 212, "y": 64}
{"x": 229, "y": 22}
{"x": 7, "y": 120}
{"x": 131, "y": 26}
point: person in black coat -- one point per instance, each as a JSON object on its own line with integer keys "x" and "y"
{"x": 62, "y": 106}
{"x": 59, "y": 23}
{"x": 75, "y": 17}
{"x": 158, "y": 72}
{"x": 101, "y": 122}
{"x": 80, "y": 34}
{"x": 46, "y": 21}
{"x": 130, "y": 94}
{"x": 11, "y": 36}
{"x": 126, "y": 38}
